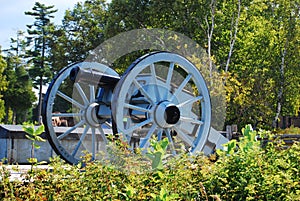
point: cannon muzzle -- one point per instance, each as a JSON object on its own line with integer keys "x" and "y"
{"x": 93, "y": 77}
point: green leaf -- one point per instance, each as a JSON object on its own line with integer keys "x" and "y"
{"x": 164, "y": 144}
{"x": 29, "y": 137}
{"x": 29, "y": 129}
{"x": 157, "y": 161}
{"x": 42, "y": 162}
{"x": 246, "y": 131}
{"x": 39, "y": 139}
{"x": 32, "y": 160}
{"x": 231, "y": 145}
{"x": 150, "y": 156}
{"x": 40, "y": 130}
{"x": 36, "y": 146}
{"x": 129, "y": 190}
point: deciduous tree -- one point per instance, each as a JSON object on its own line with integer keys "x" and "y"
{"x": 3, "y": 85}
{"x": 19, "y": 96}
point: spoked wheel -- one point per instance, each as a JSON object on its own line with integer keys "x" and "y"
{"x": 163, "y": 95}
{"x": 72, "y": 124}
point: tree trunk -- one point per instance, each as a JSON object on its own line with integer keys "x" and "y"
{"x": 210, "y": 30}
{"x": 14, "y": 118}
{"x": 281, "y": 83}
{"x": 40, "y": 101}
{"x": 6, "y": 114}
{"x": 233, "y": 36}
{"x": 41, "y": 80}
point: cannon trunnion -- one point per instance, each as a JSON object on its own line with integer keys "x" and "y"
{"x": 161, "y": 95}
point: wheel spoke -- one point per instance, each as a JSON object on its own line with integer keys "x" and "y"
{"x": 170, "y": 74}
{"x": 107, "y": 124}
{"x": 92, "y": 93}
{"x": 181, "y": 86}
{"x": 191, "y": 120}
{"x": 93, "y": 144}
{"x": 169, "y": 78}
{"x": 127, "y": 105}
{"x": 190, "y": 101}
{"x": 67, "y": 115}
{"x": 80, "y": 140}
{"x": 159, "y": 134}
{"x": 102, "y": 134}
{"x": 67, "y": 98}
{"x": 70, "y": 130}
{"x": 81, "y": 93}
{"x": 143, "y": 91}
{"x": 186, "y": 138}
{"x": 148, "y": 136}
{"x": 137, "y": 126}
{"x": 153, "y": 75}
{"x": 170, "y": 141}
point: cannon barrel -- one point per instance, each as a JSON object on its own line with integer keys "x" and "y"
{"x": 93, "y": 77}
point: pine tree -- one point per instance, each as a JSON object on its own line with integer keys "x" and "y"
{"x": 39, "y": 39}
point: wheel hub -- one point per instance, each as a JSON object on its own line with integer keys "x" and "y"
{"x": 91, "y": 115}
{"x": 166, "y": 114}
{"x": 172, "y": 114}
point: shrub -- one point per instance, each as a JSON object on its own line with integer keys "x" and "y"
{"x": 245, "y": 171}
{"x": 290, "y": 130}
{"x": 254, "y": 173}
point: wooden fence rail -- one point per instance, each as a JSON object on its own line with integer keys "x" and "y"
{"x": 287, "y": 139}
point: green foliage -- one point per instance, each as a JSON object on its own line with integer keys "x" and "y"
{"x": 261, "y": 78}
{"x": 40, "y": 36}
{"x": 33, "y": 134}
{"x": 19, "y": 96}
{"x": 3, "y": 85}
{"x": 246, "y": 143}
{"x": 157, "y": 153}
{"x": 263, "y": 69}
{"x": 40, "y": 33}
{"x": 291, "y": 130}
{"x": 164, "y": 196}
{"x": 255, "y": 173}
{"x": 82, "y": 30}
{"x": 261, "y": 81}
{"x": 251, "y": 172}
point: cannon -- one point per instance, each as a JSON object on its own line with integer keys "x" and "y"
{"x": 160, "y": 95}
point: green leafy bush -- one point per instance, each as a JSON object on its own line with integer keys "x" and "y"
{"x": 254, "y": 173}
{"x": 290, "y": 130}
{"x": 245, "y": 171}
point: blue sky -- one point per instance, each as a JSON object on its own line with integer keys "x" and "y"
{"x": 12, "y": 17}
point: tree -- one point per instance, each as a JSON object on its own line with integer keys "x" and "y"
{"x": 285, "y": 20}
{"x": 19, "y": 96}
{"x": 82, "y": 30}
{"x": 265, "y": 64}
{"x": 39, "y": 36}
{"x": 255, "y": 44}
{"x": 3, "y": 85}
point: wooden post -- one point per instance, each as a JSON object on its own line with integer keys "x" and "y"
{"x": 228, "y": 132}
{"x": 234, "y": 128}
